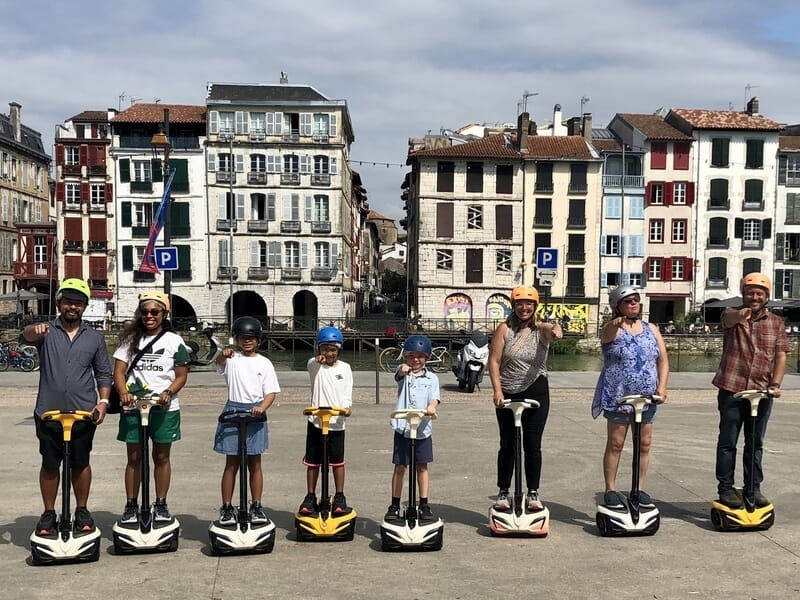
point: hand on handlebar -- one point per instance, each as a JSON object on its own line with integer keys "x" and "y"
{"x": 498, "y": 398}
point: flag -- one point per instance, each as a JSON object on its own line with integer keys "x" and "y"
{"x": 148, "y": 260}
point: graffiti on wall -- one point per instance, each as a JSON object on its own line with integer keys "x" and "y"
{"x": 498, "y": 307}
{"x": 572, "y": 317}
{"x": 458, "y": 311}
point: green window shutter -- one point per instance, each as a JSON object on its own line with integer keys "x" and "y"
{"x": 179, "y": 219}
{"x": 184, "y": 270}
{"x": 158, "y": 174}
{"x": 124, "y": 170}
{"x": 782, "y": 165}
{"x": 766, "y": 229}
{"x": 126, "y": 214}
{"x": 127, "y": 258}
{"x": 738, "y": 228}
{"x": 180, "y": 182}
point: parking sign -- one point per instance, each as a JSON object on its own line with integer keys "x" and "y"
{"x": 547, "y": 258}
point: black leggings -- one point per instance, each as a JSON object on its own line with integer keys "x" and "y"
{"x": 533, "y": 422}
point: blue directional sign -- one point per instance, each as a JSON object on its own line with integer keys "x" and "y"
{"x": 547, "y": 258}
{"x": 166, "y": 258}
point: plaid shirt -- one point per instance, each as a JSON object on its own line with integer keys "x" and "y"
{"x": 748, "y": 353}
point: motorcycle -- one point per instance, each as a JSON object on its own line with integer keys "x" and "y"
{"x": 471, "y": 361}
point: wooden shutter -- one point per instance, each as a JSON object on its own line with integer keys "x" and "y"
{"x": 158, "y": 173}
{"x": 669, "y": 190}
{"x": 180, "y": 182}
{"x": 83, "y": 155}
{"x": 690, "y": 193}
{"x": 97, "y": 230}
{"x": 60, "y": 154}
{"x": 98, "y": 267}
{"x": 444, "y": 220}
{"x": 504, "y": 224}
{"x": 126, "y": 218}
{"x": 72, "y": 267}
{"x": 783, "y": 165}
{"x": 179, "y": 219}
{"x": 125, "y": 170}
{"x": 109, "y": 191}
{"x": 474, "y": 266}
{"x": 658, "y": 155}
{"x": 61, "y": 193}
{"x": 73, "y": 232}
{"x": 85, "y": 192}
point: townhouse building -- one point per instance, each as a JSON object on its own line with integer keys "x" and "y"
{"x": 734, "y": 163}
{"x": 284, "y": 206}
{"x": 27, "y": 257}
{"x": 84, "y": 195}
{"x": 787, "y": 220}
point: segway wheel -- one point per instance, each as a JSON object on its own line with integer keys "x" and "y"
{"x": 462, "y": 384}
{"x": 351, "y": 532}
{"x": 437, "y": 543}
{"x": 769, "y": 521}
{"x": 303, "y": 535}
{"x": 173, "y": 545}
{"x": 602, "y": 525}
{"x": 717, "y": 520}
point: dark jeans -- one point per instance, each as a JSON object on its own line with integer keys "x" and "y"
{"x": 733, "y": 414}
{"x": 533, "y": 422}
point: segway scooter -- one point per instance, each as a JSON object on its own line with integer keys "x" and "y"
{"x": 518, "y": 520}
{"x": 751, "y": 517}
{"x": 632, "y": 518}
{"x": 411, "y": 533}
{"x": 322, "y": 524}
{"x": 146, "y": 534}
{"x": 244, "y": 535}
{"x": 64, "y": 544}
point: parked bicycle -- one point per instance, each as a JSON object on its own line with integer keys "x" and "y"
{"x": 439, "y": 360}
{"x": 17, "y": 357}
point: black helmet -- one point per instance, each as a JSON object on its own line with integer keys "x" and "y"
{"x": 246, "y": 326}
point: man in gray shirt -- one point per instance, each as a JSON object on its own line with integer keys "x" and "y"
{"x": 74, "y": 369}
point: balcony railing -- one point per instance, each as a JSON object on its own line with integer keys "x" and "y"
{"x": 176, "y": 142}
{"x": 226, "y": 224}
{"x": 543, "y": 221}
{"x": 576, "y": 223}
{"x": 575, "y": 290}
{"x": 321, "y": 138}
{"x": 257, "y": 226}
{"x": 290, "y": 274}
{"x": 73, "y": 246}
{"x": 257, "y": 137}
{"x": 97, "y": 246}
{"x": 717, "y": 283}
{"x": 752, "y": 244}
{"x": 320, "y": 226}
{"x": 99, "y": 207}
{"x": 620, "y": 181}
{"x": 73, "y": 206}
{"x": 227, "y": 273}
{"x": 753, "y": 204}
{"x": 719, "y": 204}
{"x": 543, "y": 186}
{"x": 292, "y": 136}
{"x": 578, "y": 187}
{"x": 290, "y": 226}
{"x": 71, "y": 169}
{"x": 717, "y": 243}
{"x": 257, "y": 177}
{"x": 791, "y": 256}
{"x": 226, "y": 177}
{"x": 320, "y": 179}
{"x": 33, "y": 269}
{"x": 258, "y": 273}
{"x": 321, "y": 274}
{"x": 576, "y": 257}
{"x": 290, "y": 178}
{"x": 142, "y": 187}
{"x": 97, "y": 169}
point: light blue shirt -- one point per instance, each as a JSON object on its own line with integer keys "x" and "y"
{"x": 416, "y": 392}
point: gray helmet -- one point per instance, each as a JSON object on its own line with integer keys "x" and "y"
{"x": 619, "y": 293}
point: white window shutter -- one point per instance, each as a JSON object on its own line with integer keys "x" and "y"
{"x": 304, "y": 255}
{"x": 270, "y": 123}
{"x": 305, "y": 163}
{"x": 306, "y": 123}
{"x": 222, "y": 206}
{"x": 604, "y": 279}
{"x": 334, "y": 125}
{"x": 287, "y": 208}
{"x": 254, "y": 254}
{"x": 213, "y": 121}
{"x": 271, "y": 198}
{"x": 603, "y": 239}
{"x": 223, "y": 253}
{"x": 334, "y": 166}
{"x": 334, "y": 254}
{"x": 239, "y": 163}
{"x": 240, "y": 198}
{"x": 278, "y": 123}
{"x": 241, "y": 121}
{"x": 211, "y": 162}
{"x": 309, "y": 205}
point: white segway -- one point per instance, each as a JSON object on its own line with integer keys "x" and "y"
{"x": 244, "y": 535}
{"x": 518, "y": 520}
{"x": 146, "y": 534}
{"x": 410, "y": 533}
{"x": 64, "y": 544}
{"x": 631, "y": 518}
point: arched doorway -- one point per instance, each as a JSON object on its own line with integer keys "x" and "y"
{"x": 304, "y": 311}
{"x": 247, "y": 303}
{"x": 183, "y": 313}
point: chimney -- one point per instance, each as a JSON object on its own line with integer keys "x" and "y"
{"x": 16, "y": 121}
{"x": 284, "y": 78}
{"x": 574, "y": 126}
{"x": 556, "y": 118}
{"x": 533, "y": 129}
{"x": 752, "y": 107}
{"x": 523, "y": 127}
{"x": 587, "y": 127}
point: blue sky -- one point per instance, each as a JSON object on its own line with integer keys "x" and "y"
{"x": 404, "y": 68}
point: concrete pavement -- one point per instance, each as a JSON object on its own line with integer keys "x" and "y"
{"x": 685, "y": 559}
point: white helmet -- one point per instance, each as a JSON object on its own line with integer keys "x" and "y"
{"x": 619, "y": 293}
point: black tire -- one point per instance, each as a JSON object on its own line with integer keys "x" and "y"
{"x": 602, "y": 525}
{"x": 173, "y": 545}
{"x": 462, "y": 384}
{"x": 390, "y": 359}
{"x": 3, "y": 364}
{"x": 443, "y": 365}
{"x": 26, "y": 364}
{"x": 472, "y": 379}
{"x": 717, "y": 520}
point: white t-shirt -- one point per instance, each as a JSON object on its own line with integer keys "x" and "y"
{"x": 156, "y": 369}
{"x": 331, "y": 387}
{"x": 249, "y": 378}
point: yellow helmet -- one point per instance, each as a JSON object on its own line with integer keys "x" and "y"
{"x": 524, "y": 292}
{"x": 74, "y": 289}
{"x": 758, "y": 279}
{"x": 155, "y": 296}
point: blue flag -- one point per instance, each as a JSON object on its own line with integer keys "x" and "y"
{"x": 148, "y": 260}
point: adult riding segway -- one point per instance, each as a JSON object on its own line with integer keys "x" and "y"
{"x": 632, "y": 518}
{"x": 518, "y": 520}
{"x": 64, "y": 544}
{"x": 146, "y": 534}
{"x": 243, "y": 535}
{"x": 322, "y": 524}
{"x": 411, "y": 533}
{"x": 751, "y": 517}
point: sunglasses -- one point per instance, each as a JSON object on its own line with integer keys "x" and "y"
{"x": 153, "y": 312}
{"x": 631, "y": 300}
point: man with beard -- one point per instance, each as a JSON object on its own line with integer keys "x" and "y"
{"x": 753, "y": 357}
{"x": 74, "y": 369}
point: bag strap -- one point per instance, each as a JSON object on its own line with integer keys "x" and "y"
{"x": 516, "y": 346}
{"x": 142, "y": 352}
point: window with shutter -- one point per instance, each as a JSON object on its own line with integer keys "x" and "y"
{"x": 444, "y": 220}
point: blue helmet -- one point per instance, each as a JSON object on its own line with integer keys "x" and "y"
{"x": 417, "y": 343}
{"x": 330, "y": 335}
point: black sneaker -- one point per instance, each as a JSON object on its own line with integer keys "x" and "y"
{"x": 426, "y": 514}
{"x": 227, "y": 515}
{"x": 339, "y": 504}
{"x": 47, "y": 523}
{"x": 309, "y": 505}
{"x": 393, "y": 514}
{"x": 645, "y": 499}
{"x": 83, "y": 519}
{"x": 162, "y": 511}
{"x": 761, "y": 499}
{"x": 613, "y": 499}
{"x": 130, "y": 514}
{"x": 730, "y": 499}
{"x": 257, "y": 514}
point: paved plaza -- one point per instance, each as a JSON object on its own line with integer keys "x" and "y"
{"x": 685, "y": 559}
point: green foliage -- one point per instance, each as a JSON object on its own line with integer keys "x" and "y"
{"x": 393, "y": 285}
{"x": 566, "y": 345}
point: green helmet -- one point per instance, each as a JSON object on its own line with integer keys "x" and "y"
{"x": 74, "y": 289}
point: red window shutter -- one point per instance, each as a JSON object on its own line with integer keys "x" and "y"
{"x": 688, "y": 268}
{"x": 669, "y": 190}
{"x": 110, "y": 193}
{"x": 648, "y": 193}
{"x": 658, "y": 155}
{"x": 690, "y": 193}
{"x": 666, "y": 269}
{"x": 84, "y": 154}
{"x": 59, "y": 154}
{"x": 98, "y": 267}
{"x": 94, "y": 130}
{"x": 61, "y": 192}
{"x": 680, "y": 156}
{"x": 72, "y": 229}
{"x": 97, "y": 230}
{"x": 85, "y": 192}
{"x": 72, "y": 267}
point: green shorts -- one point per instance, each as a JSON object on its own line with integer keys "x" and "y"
{"x": 164, "y": 427}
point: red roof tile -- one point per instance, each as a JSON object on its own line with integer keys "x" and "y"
{"x": 375, "y": 215}
{"x": 91, "y": 115}
{"x": 559, "y": 146}
{"x": 154, "y": 113}
{"x": 492, "y": 146}
{"x": 654, "y": 127}
{"x": 606, "y": 145}
{"x": 789, "y": 142}
{"x": 724, "y": 119}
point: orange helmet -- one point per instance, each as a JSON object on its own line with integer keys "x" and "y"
{"x": 155, "y": 296}
{"x": 758, "y": 279}
{"x": 524, "y": 292}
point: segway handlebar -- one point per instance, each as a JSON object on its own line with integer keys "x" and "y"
{"x": 325, "y": 414}
{"x": 215, "y": 347}
{"x": 237, "y": 416}
{"x": 523, "y": 403}
{"x": 411, "y": 414}
{"x": 754, "y": 397}
{"x": 67, "y": 419}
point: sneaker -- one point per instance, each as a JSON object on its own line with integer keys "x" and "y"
{"x": 502, "y": 502}
{"x": 257, "y": 514}
{"x": 532, "y": 501}
{"x": 130, "y": 514}
{"x": 162, "y": 512}
{"x": 393, "y": 514}
{"x": 309, "y": 505}
{"x": 425, "y": 513}
{"x": 47, "y": 523}
{"x": 645, "y": 499}
{"x": 83, "y": 519}
{"x": 613, "y": 499}
{"x": 227, "y": 515}
{"x": 761, "y": 499}
{"x": 730, "y": 499}
{"x": 339, "y": 504}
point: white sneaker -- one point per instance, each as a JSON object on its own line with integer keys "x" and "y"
{"x": 532, "y": 501}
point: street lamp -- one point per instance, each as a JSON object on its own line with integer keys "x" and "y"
{"x": 231, "y": 204}
{"x": 160, "y": 143}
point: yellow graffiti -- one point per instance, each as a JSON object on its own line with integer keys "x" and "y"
{"x": 572, "y": 317}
